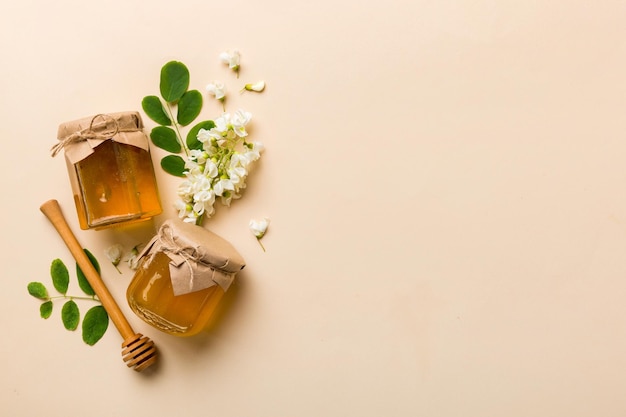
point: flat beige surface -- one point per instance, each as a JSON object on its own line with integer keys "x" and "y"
{"x": 445, "y": 182}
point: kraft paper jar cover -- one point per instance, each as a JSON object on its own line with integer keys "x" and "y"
{"x": 199, "y": 258}
{"x": 78, "y": 138}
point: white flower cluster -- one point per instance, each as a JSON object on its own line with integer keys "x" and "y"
{"x": 219, "y": 169}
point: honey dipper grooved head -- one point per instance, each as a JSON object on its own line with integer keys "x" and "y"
{"x": 139, "y": 352}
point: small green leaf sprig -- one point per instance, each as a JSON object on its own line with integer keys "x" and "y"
{"x": 176, "y": 96}
{"x": 95, "y": 321}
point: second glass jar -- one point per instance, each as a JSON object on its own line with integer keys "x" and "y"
{"x": 182, "y": 275}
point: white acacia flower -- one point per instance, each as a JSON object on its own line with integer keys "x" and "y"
{"x": 259, "y": 228}
{"x": 206, "y": 197}
{"x": 254, "y": 153}
{"x": 198, "y": 208}
{"x": 237, "y": 174}
{"x": 223, "y": 130}
{"x": 210, "y": 169}
{"x": 182, "y": 207}
{"x": 256, "y": 87}
{"x": 232, "y": 59}
{"x": 203, "y": 136}
{"x": 201, "y": 183}
{"x": 199, "y": 156}
{"x": 192, "y": 218}
{"x": 133, "y": 261}
{"x": 239, "y": 121}
{"x": 222, "y": 186}
{"x": 239, "y": 160}
{"x": 217, "y": 89}
{"x": 185, "y": 187}
{"x": 221, "y": 126}
{"x": 114, "y": 253}
{"x": 228, "y": 197}
{"x": 192, "y": 167}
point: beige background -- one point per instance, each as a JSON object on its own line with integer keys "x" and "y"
{"x": 445, "y": 182}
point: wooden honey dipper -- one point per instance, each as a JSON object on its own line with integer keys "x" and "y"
{"x": 138, "y": 351}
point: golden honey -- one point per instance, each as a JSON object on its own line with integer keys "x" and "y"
{"x": 203, "y": 264}
{"x": 151, "y": 297}
{"x": 110, "y": 170}
{"x": 115, "y": 186}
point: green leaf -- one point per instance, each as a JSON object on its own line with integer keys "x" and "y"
{"x": 154, "y": 109}
{"x": 165, "y": 138}
{"x": 60, "y": 276}
{"x": 174, "y": 165}
{"x": 189, "y": 107}
{"x": 82, "y": 280}
{"x": 192, "y": 135}
{"x": 174, "y": 81}
{"x": 95, "y": 324}
{"x": 38, "y": 290}
{"x": 45, "y": 309}
{"x": 70, "y": 315}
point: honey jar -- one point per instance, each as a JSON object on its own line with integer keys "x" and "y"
{"x": 110, "y": 169}
{"x": 182, "y": 275}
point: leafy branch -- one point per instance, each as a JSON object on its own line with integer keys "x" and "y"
{"x": 175, "y": 96}
{"x": 95, "y": 321}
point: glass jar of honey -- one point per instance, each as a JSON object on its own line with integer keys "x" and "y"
{"x": 110, "y": 169}
{"x": 182, "y": 275}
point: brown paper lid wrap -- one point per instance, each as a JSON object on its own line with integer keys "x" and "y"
{"x": 79, "y": 137}
{"x": 199, "y": 258}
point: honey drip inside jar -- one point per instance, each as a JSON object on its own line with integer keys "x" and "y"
{"x": 116, "y": 184}
{"x": 151, "y": 297}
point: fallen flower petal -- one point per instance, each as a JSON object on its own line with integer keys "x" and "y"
{"x": 256, "y": 87}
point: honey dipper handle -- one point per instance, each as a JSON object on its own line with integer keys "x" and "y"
{"x": 53, "y": 212}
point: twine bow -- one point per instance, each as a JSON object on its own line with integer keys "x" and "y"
{"x": 94, "y": 131}
{"x": 188, "y": 254}
{"x": 198, "y": 259}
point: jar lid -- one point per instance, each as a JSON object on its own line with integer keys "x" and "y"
{"x": 199, "y": 258}
{"x": 78, "y": 138}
